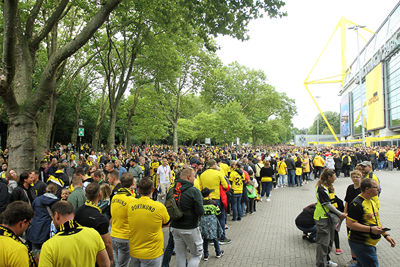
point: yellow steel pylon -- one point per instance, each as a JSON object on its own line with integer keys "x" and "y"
{"x": 342, "y": 25}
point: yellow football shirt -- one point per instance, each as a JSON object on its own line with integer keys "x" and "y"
{"x": 146, "y": 218}
{"x": 119, "y": 214}
{"x": 13, "y": 253}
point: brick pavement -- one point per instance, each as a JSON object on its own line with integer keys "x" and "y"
{"x": 269, "y": 237}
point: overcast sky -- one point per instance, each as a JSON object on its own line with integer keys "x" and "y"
{"x": 287, "y": 48}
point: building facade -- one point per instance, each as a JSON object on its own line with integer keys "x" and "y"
{"x": 379, "y": 93}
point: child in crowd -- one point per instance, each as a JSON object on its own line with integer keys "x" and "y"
{"x": 64, "y": 194}
{"x": 209, "y": 224}
{"x": 352, "y": 192}
{"x": 251, "y": 189}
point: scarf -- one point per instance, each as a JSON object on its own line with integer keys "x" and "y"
{"x": 125, "y": 191}
{"x": 4, "y": 231}
{"x": 93, "y": 205}
{"x": 69, "y": 227}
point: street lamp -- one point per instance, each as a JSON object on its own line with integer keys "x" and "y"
{"x": 356, "y": 28}
{"x": 224, "y": 137}
{"x": 317, "y": 97}
{"x": 80, "y": 133}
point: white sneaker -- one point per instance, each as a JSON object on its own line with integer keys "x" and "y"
{"x": 332, "y": 264}
{"x": 268, "y": 199}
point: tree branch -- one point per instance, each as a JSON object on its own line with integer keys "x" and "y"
{"x": 30, "y": 22}
{"x": 49, "y": 24}
{"x": 9, "y": 41}
{"x": 68, "y": 50}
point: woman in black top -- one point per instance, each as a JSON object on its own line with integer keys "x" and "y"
{"x": 266, "y": 174}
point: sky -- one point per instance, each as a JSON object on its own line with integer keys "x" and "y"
{"x": 287, "y": 48}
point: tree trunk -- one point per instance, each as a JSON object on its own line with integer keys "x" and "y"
{"x": 175, "y": 136}
{"x": 100, "y": 118}
{"x": 74, "y": 135}
{"x": 19, "y": 54}
{"x": 111, "y": 134}
{"x": 45, "y": 125}
{"x": 22, "y": 143}
{"x": 126, "y": 138}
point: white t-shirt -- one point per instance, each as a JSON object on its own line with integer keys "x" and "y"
{"x": 164, "y": 174}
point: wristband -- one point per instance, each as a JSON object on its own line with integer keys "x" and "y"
{"x": 370, "y": 229}
{"x": 386, "y": 235}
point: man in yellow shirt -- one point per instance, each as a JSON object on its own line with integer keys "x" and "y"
{"x": 120, "y": 225}
{"x": 282, "y": 171}
{"x": 73, "y": 245}
{"x": 390, "y": 159}
{"x": 146, "y": 218}
{"x": 236, "y": 177}
{"x": 318, "y": 163}
{"x": 16, "y": 220}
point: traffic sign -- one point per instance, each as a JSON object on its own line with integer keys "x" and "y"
{"x": 81, "y": 132}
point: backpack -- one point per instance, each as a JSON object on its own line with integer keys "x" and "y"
{"x": 175, "y": 213}
{"x": 258, "y": 169}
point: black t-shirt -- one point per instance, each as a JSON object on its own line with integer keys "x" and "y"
{"x": 91, "y": 217}
{"x": 351, "y": 193}
{"x": 40, "y": 188}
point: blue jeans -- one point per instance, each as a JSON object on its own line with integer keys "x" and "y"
{"x": 121, "y": 252}
{"x": 266, "y": 188}
{"x": 366, "y": 255}
{"x": 135, "y": 262}
{"x": 216, "y": 247}
{"x": 381, "y": 164}
{"x": 291, "y": 174}
{"x": 237, "y": 206}
{"x": 221, "y": 217}
{"x": 299, "y": 180}
{"x": 282, "y": 179}
{"x": 311, "y": 230}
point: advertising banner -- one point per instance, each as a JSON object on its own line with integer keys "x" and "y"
{"x": 374, "y": 88}
{"x": 344, "y": 116}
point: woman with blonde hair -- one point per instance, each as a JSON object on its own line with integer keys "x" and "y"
{"x": 326, "y": 216}
{"x": 104, "y": 203}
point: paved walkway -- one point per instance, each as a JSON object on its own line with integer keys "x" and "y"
{"x": 269, "y": 237}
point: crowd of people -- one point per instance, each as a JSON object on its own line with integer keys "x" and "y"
{"x": 111, "y": 205}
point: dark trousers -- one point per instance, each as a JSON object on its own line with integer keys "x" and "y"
{"x": 252, "y": 205}
{"x": 168, "y": 251}
{"x": 317, "y": 171}
{"x": 346, "y": 170}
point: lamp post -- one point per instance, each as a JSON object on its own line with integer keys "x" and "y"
{"x": 317, "y": 97}
{"x": 80, "y": 133}
{"x": 224, "y": 137}
{"x": 356, "y": 28}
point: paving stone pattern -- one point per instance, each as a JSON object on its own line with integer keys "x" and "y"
{"x": 269, "y": 237}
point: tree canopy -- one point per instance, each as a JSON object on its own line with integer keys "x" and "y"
{"x": 134, "y": 71}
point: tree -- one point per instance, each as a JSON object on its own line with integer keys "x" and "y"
{"x": 333, "y": 119}
{"x": 24, "y": 33}
{"x": 231, "y": 118}
{"x": 194, "y": 63}
{"x": 260, "y": 102}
